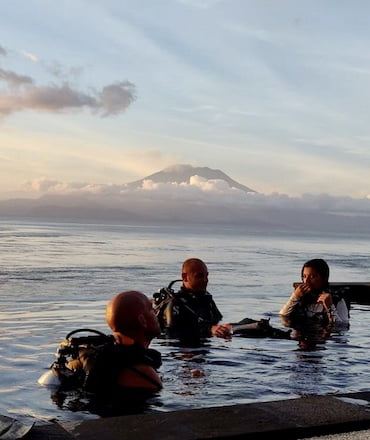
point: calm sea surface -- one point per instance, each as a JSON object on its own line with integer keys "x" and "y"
{"x": 57, "y": 277}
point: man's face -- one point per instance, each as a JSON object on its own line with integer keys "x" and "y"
{"x": 195, "y": 277}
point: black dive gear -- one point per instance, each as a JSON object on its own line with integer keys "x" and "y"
{"x": 99, "y": 359}
{"x": 186, "y": 314}
{"x": 189, "y": 316}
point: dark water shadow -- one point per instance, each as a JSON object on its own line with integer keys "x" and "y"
{"x": 126, "y": 402}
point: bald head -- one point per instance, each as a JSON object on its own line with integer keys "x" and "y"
{"x": 194, "y": 275}
{"x": 193, "y": 263}
{"x": 131, "y": 313}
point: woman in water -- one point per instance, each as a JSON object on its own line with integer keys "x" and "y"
{"x": 311, "y": 300}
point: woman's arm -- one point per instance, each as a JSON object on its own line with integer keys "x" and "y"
{"x": 290, "y": 306}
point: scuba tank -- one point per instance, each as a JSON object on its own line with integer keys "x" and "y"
{"x": 49, "y": 379}
{"x": 69, "y": 350}
{"x": 162, "y": 304}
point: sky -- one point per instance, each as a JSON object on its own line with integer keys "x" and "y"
{"x": 275, "y": 93}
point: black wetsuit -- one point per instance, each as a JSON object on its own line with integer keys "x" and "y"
{"x": 190, "y": 315}
{"x": 113, "y": 359}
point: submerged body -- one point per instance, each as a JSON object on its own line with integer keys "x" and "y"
{"x": 313, "y": 308}
{"x": 311, "y": 299}
{"x": 113, "y": 366}
{"x": 113, "y": 369}
{"x": 311, "y": 311}
{"x": 191, "y": 313}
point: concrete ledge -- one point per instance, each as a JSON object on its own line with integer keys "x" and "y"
{"x": 49, "y": 432}
{"x": 293, "y": 419}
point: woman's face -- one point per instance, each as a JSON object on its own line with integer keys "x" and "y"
{"x": 312, "y": 278}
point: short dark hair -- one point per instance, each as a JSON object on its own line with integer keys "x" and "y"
{"x": 321, "y": 267}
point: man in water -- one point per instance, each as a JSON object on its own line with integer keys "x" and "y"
{"x": 192, "y": 312}
{"x": 131, "y": 317}
{"x": 129, "y": 363}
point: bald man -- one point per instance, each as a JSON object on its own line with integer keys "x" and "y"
{"x": 129, "y": 363}
{"x": 192, "y": 313}
{"x": 131, "y": 317}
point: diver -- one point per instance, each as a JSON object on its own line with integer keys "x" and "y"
{"x": 311, "y": 300}
{"x": 116, "y": 363}
{"x": 191, "y": 313}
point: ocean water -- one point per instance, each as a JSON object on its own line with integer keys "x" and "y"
{"x": 57, "y": 277}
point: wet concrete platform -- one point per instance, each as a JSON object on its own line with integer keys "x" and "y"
{"x": 299, "y": 418}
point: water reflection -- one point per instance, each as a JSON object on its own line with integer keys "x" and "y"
{"x": 311, "y": 339}
{"x": 310, "y": 333}
{"x": 307, "y": 373}
{"x": 312, "y": 365}
{"x": 126, "y": 404}
{"x": 191, "y": 371}
{"x": 187, "y": 365}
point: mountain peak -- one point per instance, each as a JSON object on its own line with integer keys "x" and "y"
{"x": 180, "y": 173}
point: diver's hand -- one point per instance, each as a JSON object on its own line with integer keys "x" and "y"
{"x": 222, "y": 330}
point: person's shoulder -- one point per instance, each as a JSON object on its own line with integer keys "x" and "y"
{"x": 141, "y": 371}
{"x": 139, "y": 376}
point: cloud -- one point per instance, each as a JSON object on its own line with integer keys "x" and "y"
{"x": 44, "y": 185}
{"x": 13, "y": 79}
{"x": 198, "y": 189}
{"x": 30, "y": 56}
{"x": 22, "y": 93}
{"x": 115, "y": 98}
{"x": 199, "y": 201}
{"x": 112, "y": 100}
{"x": 211, "y": 192}
{"x": 59, "y": 71}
